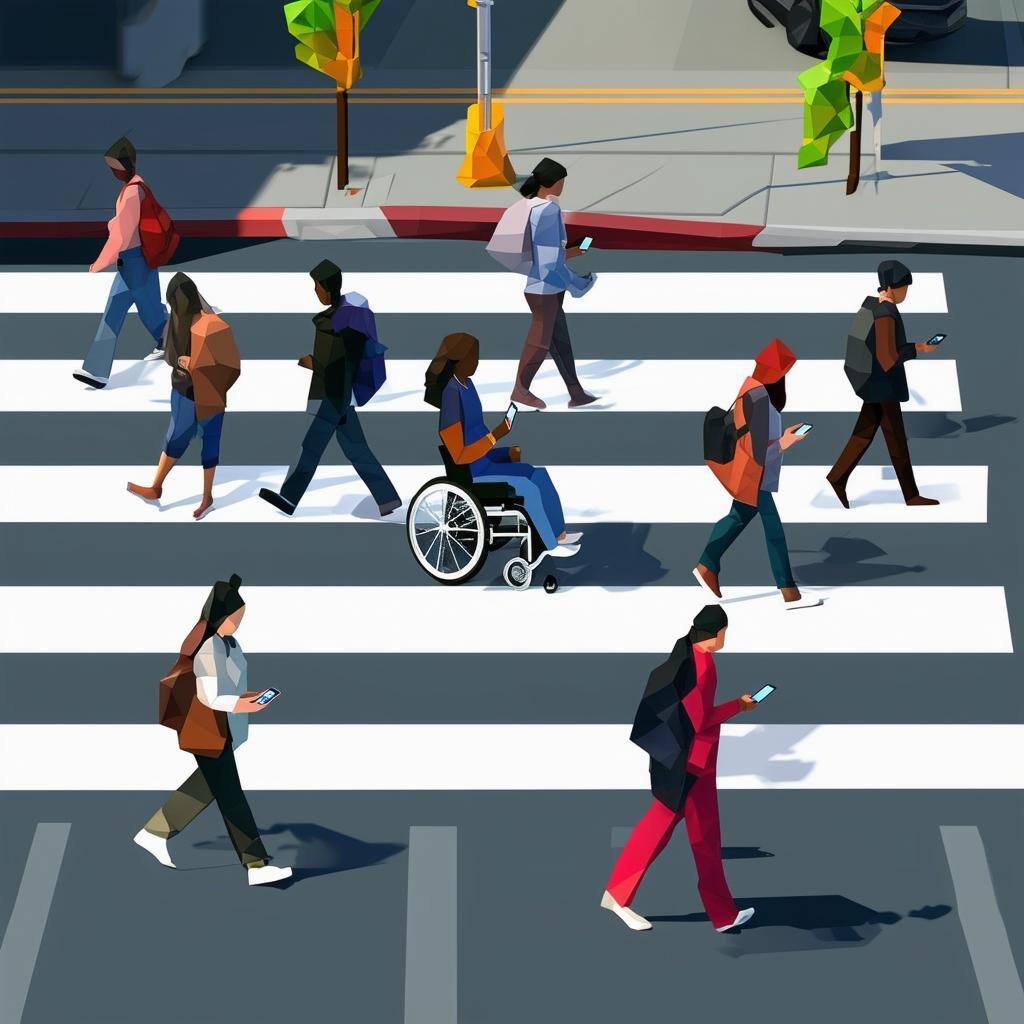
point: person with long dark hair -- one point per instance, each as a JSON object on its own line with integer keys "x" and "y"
{"x": 550, "y": 277}
{"x": 135, "y": 282}
{"x": 204, "y": 365}
{"x": 449, "y": 387}
{"x": 215, "y": 722}
{"x": 678, "y": 725}
{"x": 752, "y": 477}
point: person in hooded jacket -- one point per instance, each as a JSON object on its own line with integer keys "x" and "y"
{"x": 752, "y": 477}
{"x": 678, "y": 725}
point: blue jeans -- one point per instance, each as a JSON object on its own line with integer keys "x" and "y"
{"x": 348, "y": 432}
{"x": 540, "y": 499}
{"x": 726, "y": 530}
{"x": 184, "y": 426}
{"x": 135, "y": 284}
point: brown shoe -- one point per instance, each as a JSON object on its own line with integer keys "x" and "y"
{"x": 792, "y": 598}
{"x": 708, "y": 580}
{"x": 580, "y": 399}
{"x": 146, "y": 493}
{"x": 523, "y": 397}
{"x": 921, "y": 500}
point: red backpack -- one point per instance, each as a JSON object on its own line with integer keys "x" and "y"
{"x": 156, "y": 230}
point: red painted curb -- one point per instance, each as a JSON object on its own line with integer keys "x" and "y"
{"x": 609, "y": 230}
{"x": 251, "y": 222}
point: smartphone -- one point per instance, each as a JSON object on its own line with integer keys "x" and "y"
{"x": 804, "y": 429}
{"x": 762, "y": 693}
{"x": 510, "y": 413}
{"x": 936, "y": 339}
{"x": 267, "y": 696}
{"x": 586, "y": 243}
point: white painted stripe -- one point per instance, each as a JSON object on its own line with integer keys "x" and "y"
{"x": 590, "y": 494}
{"x": 474, "y": 620}
{"x": 517, "y": 757}
{"x": 624, "y": 385}
{"x": 288, "y": 292}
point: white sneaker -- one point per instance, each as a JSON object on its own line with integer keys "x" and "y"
{"x": 741, "y": 918}
{"x": 157, "y": 353}
{"x": 156, "y": 846}
{"x": 564, "y": 551}
{"x": 571, "y": 538}
{"x": 268, "y": 874}
{"x": 806, "y": 601}
{"x": 630, "y": 918}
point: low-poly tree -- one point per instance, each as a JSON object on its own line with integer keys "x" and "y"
{"x": 328, "y": 34}
{"x": 855, "y": 60}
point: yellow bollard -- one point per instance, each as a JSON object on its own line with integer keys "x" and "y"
{"x": 487, "y": 164}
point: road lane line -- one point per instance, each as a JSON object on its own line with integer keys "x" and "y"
{"x": 432, "y": 926}
{"x": 24, "y": 934}
{"x": 522, "y": 757}
{"x": 497, "y": 292}
{"x": 624, "y": 385}
{"x": 983, "y": 925}
{"x": 589, "y": 494}
{"x": 597, "y": 620}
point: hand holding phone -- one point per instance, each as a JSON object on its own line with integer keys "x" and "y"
{"x": 804, "y": 429}
{"x": 269, "y": 694}
{"x": 936, "y": 339}
{"x": 586, "y": 244}
{"x": 510, "y": 414}
{"x": 762, "y": 693}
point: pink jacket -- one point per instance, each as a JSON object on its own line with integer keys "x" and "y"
{"x": 123, "y": 227}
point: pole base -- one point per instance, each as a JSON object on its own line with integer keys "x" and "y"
{"x": 486, "y": 164}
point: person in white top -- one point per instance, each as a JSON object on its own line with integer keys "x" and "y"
{"x": 221, "y": 676}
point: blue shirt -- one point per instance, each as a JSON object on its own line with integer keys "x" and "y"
{"x": 460, "y": 404}
{"x": 550, "y": 273}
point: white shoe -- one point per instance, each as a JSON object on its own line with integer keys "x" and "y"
{"x": 156, "y": 846}
{"x": 268, "y": 874}
{"x": 807, "y": 601}
{"x": 564, "y": 551}
{"x": 630, "y": 918}
{"x": 571, "y": 538}
{"x": 157, "y": 353}
{"x": 741, "y": 918}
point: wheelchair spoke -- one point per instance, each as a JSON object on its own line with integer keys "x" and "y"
{"x": 430, "y": 512}
{"x": 469, "y": 554}
{"x": 426, "y": 554}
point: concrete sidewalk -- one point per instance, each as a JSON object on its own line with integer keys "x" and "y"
{"x": 668, "y": 145}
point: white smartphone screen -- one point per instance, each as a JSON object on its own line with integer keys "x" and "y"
{"x": 804, "y": 430}
{"x": 510, "y": 415}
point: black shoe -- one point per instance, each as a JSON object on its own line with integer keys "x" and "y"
{"x": 275, "y": 499}
{"x": 388, "y": 507}
{"x": 840, "y": 492}
{"x": 93, "y": 382}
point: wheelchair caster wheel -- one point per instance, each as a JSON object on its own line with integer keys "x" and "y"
{"x": 518, "y": 573}
{"x": 550, "y": 585}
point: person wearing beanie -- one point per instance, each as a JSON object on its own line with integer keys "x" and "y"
{"x": 135, "y": 282}
{"x": 219, "y": 669}
{"x": 752, "y": 477}
{"x": 876, "y": 351}
{"x": 343, "y": 331}
{"x": 678, "y": 725}
{"x": 547, "y": 282}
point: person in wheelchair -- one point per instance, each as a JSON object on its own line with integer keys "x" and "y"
{"x": 449, "y": 387}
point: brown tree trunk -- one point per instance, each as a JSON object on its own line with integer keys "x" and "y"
{"x": 342, "y": 109}
{"x": 858, "y": 113}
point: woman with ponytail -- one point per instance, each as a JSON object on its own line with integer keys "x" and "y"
{"x": 219, "y": 676}
{"x": 548, "y": 281}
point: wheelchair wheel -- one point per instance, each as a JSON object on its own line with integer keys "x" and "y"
{"x": 447, "y": 531}
{"x": 518, "y": 573}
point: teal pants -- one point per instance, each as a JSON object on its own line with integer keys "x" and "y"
{"x": 726, "y": 531}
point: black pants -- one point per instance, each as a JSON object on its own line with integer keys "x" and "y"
{"x": 889, "y": 417}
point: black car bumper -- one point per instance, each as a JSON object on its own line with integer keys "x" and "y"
{"x": 918, "y": 22}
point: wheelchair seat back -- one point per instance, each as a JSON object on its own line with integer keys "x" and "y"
{"x": 486, "y": 493}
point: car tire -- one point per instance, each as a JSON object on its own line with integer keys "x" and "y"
{"x": 803, "y": 28}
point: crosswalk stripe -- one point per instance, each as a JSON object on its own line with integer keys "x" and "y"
{"x": 590, "y": 494}
{"x": 625, "y": 385}
{"x": 453, "y": 620}
{"x": 516, "y": 757}
{"x": 615, "y": 292}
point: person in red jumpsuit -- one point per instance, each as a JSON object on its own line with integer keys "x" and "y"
{"x": 678, "y": 725}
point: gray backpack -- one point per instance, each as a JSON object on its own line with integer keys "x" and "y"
{"x": 859, "y": 358}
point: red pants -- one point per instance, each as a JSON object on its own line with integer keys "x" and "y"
{"x": 651, "y": 836}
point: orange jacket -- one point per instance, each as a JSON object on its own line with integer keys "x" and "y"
{"x": 214, "y": 364}
{"x": 741, "y": 477}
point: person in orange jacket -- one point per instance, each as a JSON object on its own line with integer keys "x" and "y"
{"x": 752, "y": 477}
{"x": 204, "y": 364}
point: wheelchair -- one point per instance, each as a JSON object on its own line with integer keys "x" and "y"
{"x": 453, "y": 523}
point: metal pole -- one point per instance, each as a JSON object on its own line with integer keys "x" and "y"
{"x": 483, "y": 69}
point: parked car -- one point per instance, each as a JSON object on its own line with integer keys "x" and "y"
{"x": 919, "y": 20}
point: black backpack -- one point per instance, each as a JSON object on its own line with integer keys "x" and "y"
{"x": 859, "y": 358}
{"x": 721, "y": 435}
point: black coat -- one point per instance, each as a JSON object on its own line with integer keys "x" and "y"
{"x": 336, "y": 356}
{"x": 663, "y": 729}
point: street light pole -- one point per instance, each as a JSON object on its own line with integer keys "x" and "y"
{"x": 483, "y": 67}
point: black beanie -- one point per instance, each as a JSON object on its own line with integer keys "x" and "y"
{"x": 124, "y": 152}
{"x": 893, "y": 274}
{"x": 710, "y": 621}
{"x": 328, "y": 274}
{"x": 224, "y": 600}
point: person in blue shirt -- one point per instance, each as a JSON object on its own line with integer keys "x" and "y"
{"x": 550, "y": 277}
{"x": 470, "y": 443}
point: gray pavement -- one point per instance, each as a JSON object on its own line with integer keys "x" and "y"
{"x": 951, "y": 168}
{"x": 859, "y": 879}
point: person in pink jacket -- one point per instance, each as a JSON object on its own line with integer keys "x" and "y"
{"x": 135, "y": 282}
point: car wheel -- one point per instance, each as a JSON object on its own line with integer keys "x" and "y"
{"x": 803, "y": 28}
